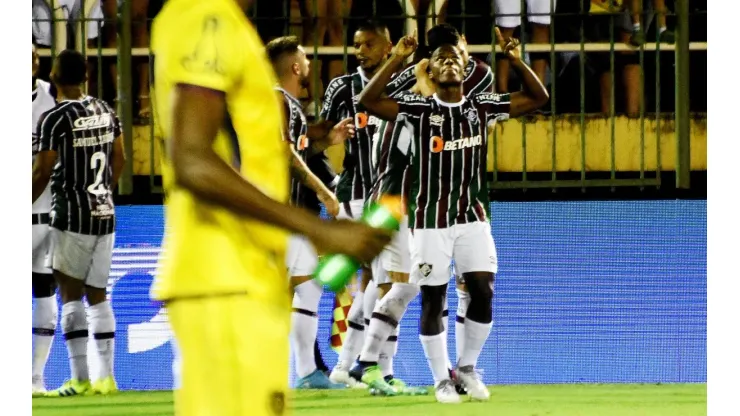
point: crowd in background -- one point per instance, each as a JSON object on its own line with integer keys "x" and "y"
{"x": 332, "y": 23}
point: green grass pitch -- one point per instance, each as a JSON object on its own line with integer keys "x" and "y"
{"x": 519, "y": 400}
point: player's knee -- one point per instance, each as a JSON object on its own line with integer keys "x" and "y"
{"x": 432, "y": 300}
{"x": 395, "y": 303}
{"x": 307, "y": 296}
{"x": 95, "y": 295}
{"x": 43, "y": 285}
{"x": 480, "y": 287}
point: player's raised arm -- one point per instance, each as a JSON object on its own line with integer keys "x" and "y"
{"x": 534, "y": 95}
{"x": 372, "y": 96}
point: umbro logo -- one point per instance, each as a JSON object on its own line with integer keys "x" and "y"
{"x": 436, "y": 120}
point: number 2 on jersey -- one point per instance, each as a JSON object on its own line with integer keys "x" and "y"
{"x": 98, "y": 162}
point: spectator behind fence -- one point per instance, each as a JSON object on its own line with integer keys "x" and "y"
{"x": 508, "y": 18}
{"x": 60, "y": 12}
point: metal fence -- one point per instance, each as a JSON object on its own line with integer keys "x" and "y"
{"x": 601, "y": 160}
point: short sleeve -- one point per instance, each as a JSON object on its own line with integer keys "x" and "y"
{"x": 49, "y": 133}
{"x": 410, "y": 104}
{"x": 390, "y": 179}
{"x": 202, "y": 51}
{"x": 479, "y": 80}
{"x": 496, "y": 106}
{"x": 401, "y": 82}
{"x": 286, "y": 119}
{"x": 336, "y": 93}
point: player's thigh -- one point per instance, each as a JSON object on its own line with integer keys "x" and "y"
{"x": 97, "y": 277}
{"x": 396, "y": 258}
{"x": 301, "y": 257}
{"x": 41, "y": 241}
{"x": 72, "y": 253}
{"x": 539, "y": 11}
{"x": 474, "y": 249}
{"x": 380, "y": 274}
{"x": 224, "y": 370}
{"x": 351, "y": 210}
{"x": 508, "y": 13}
{"x": 431, "y": 254}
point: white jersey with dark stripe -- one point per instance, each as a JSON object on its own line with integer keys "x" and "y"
{"x": 445, "y": 151}
{"x": 42, "y": 101}
{"x": 294, "y": 132}
{"x": 340, "y": 102}
{"x": 478, "y": 79}
{"x": 82, "y": 133}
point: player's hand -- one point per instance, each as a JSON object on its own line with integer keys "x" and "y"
{"x": 342, "y": 131}
{"x": 510, "y": 47}
{"x": 406, "y": 46}
{"x": 354, "y": 239}
{"x": 424, "y": 85}
{"x": 330, "y": 202}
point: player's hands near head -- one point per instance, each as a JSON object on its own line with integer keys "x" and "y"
{"x": 424, "y": 85}
{"x": 342, "y": 131}
{"x": 330, "y": 202}
{"x": 509, "y": 46}
{"x": 354, "y": 239}
{"x": 406, "y": 46}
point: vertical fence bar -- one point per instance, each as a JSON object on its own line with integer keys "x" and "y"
{"x": 553, "y": 108}
{"x": 582, "y": 71}
{"x": 658, "y": 162}
{"x": 522, "y": 17}
{"x": 642, "y": 109}
{"x": 315, "y": 71}
{"x": 125, "y": 186}
{"x": 683, "y": 148}
{"x": 495, "y": 75}
{"x": 612, "y": 94}
{"x": 99, "y": 60}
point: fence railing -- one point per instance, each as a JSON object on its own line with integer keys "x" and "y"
{"x": 569, "y": 145}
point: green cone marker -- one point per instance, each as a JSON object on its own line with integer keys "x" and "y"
{"x": 335, "y": 270}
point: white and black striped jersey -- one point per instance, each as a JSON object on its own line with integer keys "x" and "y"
{"x": 294, "y": 132}
{"x": 42, "y": 101}
{"x": 82, "y": 133}
{"x": 445, "y": 151}
{"x": 341, "y": 101}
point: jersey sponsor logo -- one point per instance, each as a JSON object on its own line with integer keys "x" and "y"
{"x": 437, "y": 144}
{"x": 436, "y": 120}
{"x": 93, "y": 141}
{"x": 302, "y": 143}
{"x": 93, "y": 122}
{"x": 489, "y": 96}
{"x": 362, "y": 120}
{"x": 412, "y": 98}
{"x": 425, "y": 269}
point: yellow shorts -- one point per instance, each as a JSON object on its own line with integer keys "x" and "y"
{"x": 234, "y": 354}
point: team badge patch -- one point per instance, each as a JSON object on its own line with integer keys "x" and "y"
{"x": 436, "y": 120}
{"x": 472, "y": 115}
{"x": 425, "y": 269}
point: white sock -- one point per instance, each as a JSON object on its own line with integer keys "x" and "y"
{"x": 305, "y": 326}
{"x": 435, "y": 349}
{"x": 369, "y": 301}
{"x": 387, "y": 314}
{"x": 355, "y": 334}
{"x": 387, "y": 351}
{"x": 445, "y": 325}
{"x": 74, "y": 326}
{"x": 103, "y": 326}
{"x": 44, "y": 321}
{"x": 476, "y": 335}
{"x": 463, "y": 300}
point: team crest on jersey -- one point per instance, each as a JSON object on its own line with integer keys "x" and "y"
{"x": 436, "y": 120}
{"x": 472, "y": 115}
{"x": 425, "y": 269}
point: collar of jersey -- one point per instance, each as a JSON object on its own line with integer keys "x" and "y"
{"x": 362, "y": 74}
{"x": 446, "y": 104}
{"x": 287, "y": 94}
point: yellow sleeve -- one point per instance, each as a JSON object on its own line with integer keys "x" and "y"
{"x": 201, "y": 50}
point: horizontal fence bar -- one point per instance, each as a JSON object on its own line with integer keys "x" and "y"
{"x": 573, "y": 183}
{"x": 531, "y": 47}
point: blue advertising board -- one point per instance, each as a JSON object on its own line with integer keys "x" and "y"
{"x": 595, "y": 292}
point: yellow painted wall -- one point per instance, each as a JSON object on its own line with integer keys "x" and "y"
{"x": 539, "y": 141}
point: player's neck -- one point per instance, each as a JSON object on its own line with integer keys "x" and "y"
{"x": 292, "y": 87}
{"x": 70, "y": 93}
{"x": 450, "y": 93}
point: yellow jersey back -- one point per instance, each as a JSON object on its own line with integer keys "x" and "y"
{"x": 207, "y": 249}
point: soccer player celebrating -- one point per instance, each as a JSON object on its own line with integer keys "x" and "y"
{"x": 448, "y": 198}
{"x": 395, "y": 259}
{"x": 45, "y": 307}
{"x": 225, "y": 169}
{"x": 373, "y": 45}
{"x": 292, "y": 68}
{"x": 81, "y": 151}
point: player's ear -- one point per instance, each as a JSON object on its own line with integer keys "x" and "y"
{"x": 296, "y": 68}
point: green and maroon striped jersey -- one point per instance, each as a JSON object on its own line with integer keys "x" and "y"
{"x": 445, "y": 151}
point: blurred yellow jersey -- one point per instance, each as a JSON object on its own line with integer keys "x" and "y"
{"x": 207, "y": 249}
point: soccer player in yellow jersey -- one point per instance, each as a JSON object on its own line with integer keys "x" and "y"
{"x": 225, "y": 171}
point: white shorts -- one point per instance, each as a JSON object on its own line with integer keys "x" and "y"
{"x": 41, "y": 244}
{"x": 351, "y": 210}
{"x": 42, "y": 17}
{"x": 301, "y": 258}
{"x": 432, "y": 251}
{"x": 538, "y": 11}
{"x": 380, "y": 273}
{"x": 83, "y": 257}
{"x": 396, "y": 257}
